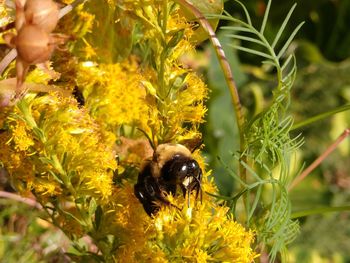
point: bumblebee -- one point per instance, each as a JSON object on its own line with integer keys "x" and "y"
{"x": 171, "y": 167}
{"x": 78, "y": 95}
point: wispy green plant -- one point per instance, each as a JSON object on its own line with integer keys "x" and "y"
{"x": 268, "y": 145}
{"x": 271, "y": 217}
{"x": 267, "y": 134}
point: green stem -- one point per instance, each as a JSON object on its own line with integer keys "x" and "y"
{"x": 230, "y": 81}
{"x": 162, "y": 56}
{"x": 320, "y": 117}
{"x": 18, "y": 198}
{"x": 225, "y": 66}
{"x": 320, "y": 210}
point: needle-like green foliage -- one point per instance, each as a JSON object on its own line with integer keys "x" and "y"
{"x": 266, "y": 158}
{"x": 267, "y": 133}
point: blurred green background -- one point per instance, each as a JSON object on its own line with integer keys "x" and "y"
{"x": 322, "y": 49}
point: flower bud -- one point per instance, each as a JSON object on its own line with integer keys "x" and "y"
{"x": 33, "y": 45}
{"x": 42, "y": 13}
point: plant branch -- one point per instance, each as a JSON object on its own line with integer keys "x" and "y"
{"x": 163, "y": 52}
{"x": 225, "y": 66}
{"x": 320, "y": 117}
{"x": 320, "y": 210}
{"x": 28, "y": 201}
{"x": 319, "y": 160}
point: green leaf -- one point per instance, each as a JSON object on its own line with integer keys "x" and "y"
{"x": 112, "y": 32}
{"x": 321, "y": 210}
{"x": 245, "y": 38}
{"x": 92, "y": 207}
{"x": 253, "y": 51}
{"x": 280, "y": 31}
{"x": 266, "y": 15}
{"x": 255, "y": 203}
{"x": 247, "y": 16}
{"x": 175, "y": 39}
{"x": 321, "y": 116}
{"x": 98, "y": 217}
{"x": 286, "y": 44}
{"x": 80, "y": 200}
{"x": 55, "y": 176}
{"x": 238, "y": 28}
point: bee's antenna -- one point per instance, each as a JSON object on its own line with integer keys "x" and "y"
{"x": 148, "y": 138}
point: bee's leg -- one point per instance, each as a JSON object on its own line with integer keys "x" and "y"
{"x": 169, "y": 190}
{"x": 186, "y": 191}
{"x": 198, "y": 188}
{"x": 198, "y": 180}
{"x": 151, "y": 193}
{"x": 166, "y": 201}
{"x": 188, "y": 198}
{"x": 195, "y": 185}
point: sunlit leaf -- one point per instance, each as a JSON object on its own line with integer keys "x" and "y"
{"x": 206, "y": 7}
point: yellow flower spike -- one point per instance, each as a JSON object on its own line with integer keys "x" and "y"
{"x": 158, "y": 224}
{"x": 129, "y": 225}
{"x": 201, "y": 256}
{"x": 68, "y": 149}
{"x": 46, "y": 187}
{"x": 75, "y": 148}
{"x": 188, "y": 213}
{"x": 114, "y": 94}
{"x": 200, "y": 233}
{"x": 4, "y": 17}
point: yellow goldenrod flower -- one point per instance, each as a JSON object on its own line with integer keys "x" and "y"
{"x": 114, "y": 94}
{"x": 21, "y": 136}
{"x": 207, "y": 235}
{"x": 177, "y": 233}
{"x": 68, "y": 148}
{"x": 66, "y": 155}
{"x": 4, "y": 18}
{"x": 47, "y": 187}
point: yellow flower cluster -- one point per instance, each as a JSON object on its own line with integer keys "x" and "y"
{"x": 200, "y": 233}
{"x": 114, "y": 94}
{"x": 66, "y": 154}
{"x": 51, "y": 143}
{"x": 4, "y": 19}
{"x": 122, "y": 96}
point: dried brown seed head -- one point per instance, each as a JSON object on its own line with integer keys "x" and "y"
{"x": 33, "y": 45}
{"x": 42, "y": 13}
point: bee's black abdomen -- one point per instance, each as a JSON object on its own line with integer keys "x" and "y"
{"x": 145, "y": 199}
{"x": 146, "y": 190}
{"x": 78, "y": 95}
